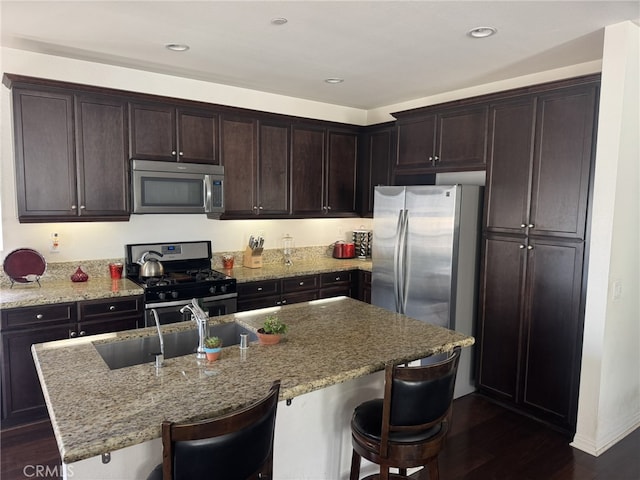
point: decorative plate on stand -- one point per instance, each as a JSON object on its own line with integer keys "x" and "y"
{"x": 24, "y": 265}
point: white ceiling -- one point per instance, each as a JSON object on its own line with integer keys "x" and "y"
{"x": 386, "y": 52}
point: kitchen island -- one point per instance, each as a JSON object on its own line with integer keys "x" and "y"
{"x": 332, "y": 348}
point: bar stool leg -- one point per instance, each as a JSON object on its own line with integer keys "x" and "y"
{"x": 355, "y": 466}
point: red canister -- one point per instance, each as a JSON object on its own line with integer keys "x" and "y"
{"x": 349, "y": 250}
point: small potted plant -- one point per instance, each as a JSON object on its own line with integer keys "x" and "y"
{"x": 212, "y": 348}
{"x": 272, "y": 330}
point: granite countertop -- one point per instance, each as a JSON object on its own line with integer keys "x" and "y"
{"x": 310, "y": 267}
{"x": 96, "y": 410}
{"x": 58, "y": 290}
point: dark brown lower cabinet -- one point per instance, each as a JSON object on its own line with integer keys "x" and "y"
{"x": 530, "y": 331}
{"x": 22, "y": 399}
{"x": 304, "y": 288}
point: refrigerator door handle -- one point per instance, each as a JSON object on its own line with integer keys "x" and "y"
{"x": 396, "y": 261}
{"x": 403, "y": 262}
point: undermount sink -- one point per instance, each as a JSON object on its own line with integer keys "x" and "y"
{"x": 136, "y": 351}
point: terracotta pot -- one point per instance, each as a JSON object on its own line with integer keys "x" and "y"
{"x": 268, "y": 338}
{"x": 213, "y": 353}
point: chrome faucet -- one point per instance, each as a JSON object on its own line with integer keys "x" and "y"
{"x": 201, "y": 319}
{"x": 159, "y": 358}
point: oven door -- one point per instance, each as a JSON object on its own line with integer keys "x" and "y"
{"x": 169, "y": 312}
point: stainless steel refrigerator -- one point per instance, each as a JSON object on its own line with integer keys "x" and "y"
{"x": 425, "y": 254}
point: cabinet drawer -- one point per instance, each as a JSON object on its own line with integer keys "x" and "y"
{"x": 258, "y": 289}
{"x": 45, "y": 314}
{"x": 258, "y": 302}
{"x": 336, "y": 291}
{"x": 336, "y": 278}
{"x": 100, "y": 309}
{"x": 296, "y": 284}
{"x": 300, "y": 297}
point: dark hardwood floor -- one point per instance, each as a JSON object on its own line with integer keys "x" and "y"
{"x": 486, "y": 442}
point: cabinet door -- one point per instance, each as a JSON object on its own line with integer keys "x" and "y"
{"x": 375, "y": 164}
{"x": 462, "y": 139}
{"x": 562, "y": 162}
{"x": 416, "y": 142}
{"x": 197, "y": 137}
{"x": 509, "y": 172}
{"x": 238, "y": 155}
{"x": 500, "y": 316}
{"x": 45, "y": 160}
{"x": 22, "y": 399}
{"x": 553, "y": 333}
{"x": 152, "y": 132}
{"x": 273, "y": 169}
{"x": 307, "y": 171}
{"x": 103, "y": 173}
{"x": 342, "y": 157}
{"x": 109, "y": 326}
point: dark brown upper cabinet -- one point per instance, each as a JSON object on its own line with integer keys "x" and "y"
{"x": 174, "y": 134}
{"x": 375, "y": 163}
{"x": 447, "y": 140}
{"x": 323, "y": 171}
{"x": 70, "y": 152}
{"x": 540, "y": 160}
{"x": 256, "y": 160}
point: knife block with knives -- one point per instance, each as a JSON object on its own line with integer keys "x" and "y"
{"x": 253, "y": 253}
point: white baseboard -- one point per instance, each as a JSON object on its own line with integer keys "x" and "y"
{"x": 596, "y": 447}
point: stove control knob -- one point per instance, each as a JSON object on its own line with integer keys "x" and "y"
{"x": 223, "y": 288}
{"x": 174, "y": 294}
{"x": 212, "y": 289}
{"x": 162, "y": 295}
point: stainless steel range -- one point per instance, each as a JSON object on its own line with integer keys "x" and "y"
{"x": 187, "y": 274}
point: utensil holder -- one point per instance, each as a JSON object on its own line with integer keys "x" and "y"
{"x": 252, "y": 258}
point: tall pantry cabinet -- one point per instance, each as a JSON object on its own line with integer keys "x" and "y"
{"x": 531, "y": 296}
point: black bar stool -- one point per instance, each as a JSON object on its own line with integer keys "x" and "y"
{"x": 408, "y": 427}
{"x": 237, "y": 446}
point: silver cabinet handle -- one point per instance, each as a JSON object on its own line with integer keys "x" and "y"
{"x": 82, "y": 333}
{"x": 284, "y": 301}
{"x": 73, "y": 207}
{"x": 301, "y": 283}
{"x": 430, "y": 158}
{"x": 337, "y": 279}
{"x": 181, "y": 154}
{"x": 39, "y": 316}
{"x": 523, "y": 225}
{"x": 82, "y": 207}
{"x": 112, "y": 308}
{"x": 260, "y": 207}
{"x": 328, "y": 207}
{"x": 259, "y": 289}
{"x": 173, "y": 152}
{"x": 531, "y": 225}
{"x": 520, "y": 247}
{"x": 73, "y": 334}
{"x": 530, "y": 247}
{"x": 436, "y": 158}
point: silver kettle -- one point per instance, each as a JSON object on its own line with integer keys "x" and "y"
{"x": 151, "y": 267}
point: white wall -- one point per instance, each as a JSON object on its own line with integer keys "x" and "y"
{"x": 609, "y": 403}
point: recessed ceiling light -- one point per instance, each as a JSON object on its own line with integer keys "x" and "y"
{"x": 334, "y": 80}
{"x": 279, "y": 21}
{"x": 177, "y": 47}
{"x": 482, "y": 32}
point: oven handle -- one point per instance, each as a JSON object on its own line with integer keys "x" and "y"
{"x": 178, "y": 303}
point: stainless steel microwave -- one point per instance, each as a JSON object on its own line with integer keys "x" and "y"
{"x": 173, "y": 187}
